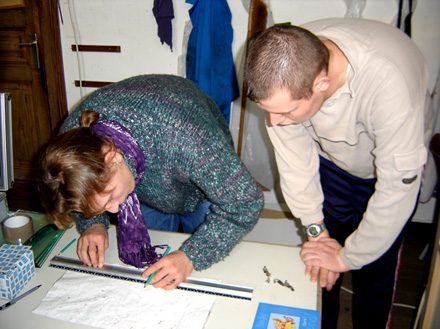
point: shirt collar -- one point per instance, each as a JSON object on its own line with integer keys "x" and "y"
{"x": 345, "y": 89}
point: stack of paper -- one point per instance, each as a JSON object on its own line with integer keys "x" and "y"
{"x": 111, "y": 303}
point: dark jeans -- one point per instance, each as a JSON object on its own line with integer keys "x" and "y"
{"x": 345, "y": 201}
{"x": 188, "y": 223}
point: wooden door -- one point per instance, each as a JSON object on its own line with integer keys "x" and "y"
{"x": 31, "y": 71}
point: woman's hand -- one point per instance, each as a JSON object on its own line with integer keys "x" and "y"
{"x": 170, "y": 270}
{"x": 92, "y": 245}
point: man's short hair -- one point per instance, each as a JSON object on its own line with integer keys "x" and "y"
{"x": 284, "y": 57}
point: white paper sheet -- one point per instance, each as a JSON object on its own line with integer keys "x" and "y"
{"x": 112, "y": 303}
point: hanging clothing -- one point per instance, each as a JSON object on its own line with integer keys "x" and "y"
{"x": 404, "y": 15}
{"x": 163, "y": 11}
{"x": 209, "y": 61}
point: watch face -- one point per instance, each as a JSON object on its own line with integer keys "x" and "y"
{"x": 313, "y": 230}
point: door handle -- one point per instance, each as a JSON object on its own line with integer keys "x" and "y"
{"x": 34, "y": 44}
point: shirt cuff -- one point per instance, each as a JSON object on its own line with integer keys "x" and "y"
{"x": 351, "y": 265}
{"x": 83, "y": 224}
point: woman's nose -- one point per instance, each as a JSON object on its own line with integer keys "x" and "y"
{"x": 112, "y": 207}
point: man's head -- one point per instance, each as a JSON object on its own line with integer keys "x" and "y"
{"x": 285, "y": 66}
{"x": 284, "y": 57}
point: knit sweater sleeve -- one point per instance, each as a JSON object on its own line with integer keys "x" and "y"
{"x": 83, "y": 224}
{"x": 236, "y": 201}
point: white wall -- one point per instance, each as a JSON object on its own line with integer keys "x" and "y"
{"x": 131, "y": 24}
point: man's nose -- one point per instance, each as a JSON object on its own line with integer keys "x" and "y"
{"x": 275, "y": 119}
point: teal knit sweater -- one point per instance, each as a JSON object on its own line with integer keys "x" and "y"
{"x": 189, "y": 156}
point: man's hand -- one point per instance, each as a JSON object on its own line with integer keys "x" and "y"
{"x": 92, "y": 245}
{"x": 170, "y": 270}
{"x": 326, "y": 278}
{"x": 323, "y": 253}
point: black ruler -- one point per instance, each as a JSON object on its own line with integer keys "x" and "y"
{"x": 133, "y": 274}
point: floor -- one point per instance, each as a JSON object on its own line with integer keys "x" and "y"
{"x": 410, "y": 284}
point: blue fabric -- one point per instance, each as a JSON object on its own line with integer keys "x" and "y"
{"x": 345, "y": 201}
{"x": 209, "y": 61}
{"x": 189, "y": 222}
{"x": 163, "y": 11}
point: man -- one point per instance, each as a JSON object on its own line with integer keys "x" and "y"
{"x": 345, "y": 100}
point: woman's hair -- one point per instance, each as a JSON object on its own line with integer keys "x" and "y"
{"x": 284, "y": 57}
{"x": 73, "y": 169}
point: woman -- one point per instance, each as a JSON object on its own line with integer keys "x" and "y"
{"x": 152, "y": 145}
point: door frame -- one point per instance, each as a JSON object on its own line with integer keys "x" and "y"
{"x": 24, "y": 193}
{"x": 53, "y": 69}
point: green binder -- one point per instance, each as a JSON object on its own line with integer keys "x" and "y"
{"x": 43, "y": 241}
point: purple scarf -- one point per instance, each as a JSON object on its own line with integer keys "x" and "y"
{"x": 134, "y": 244}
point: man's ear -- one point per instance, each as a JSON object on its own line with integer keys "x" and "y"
{"x": 322, "y": 83}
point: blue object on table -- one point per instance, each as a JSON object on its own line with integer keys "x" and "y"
{"x": 16, "y": 299}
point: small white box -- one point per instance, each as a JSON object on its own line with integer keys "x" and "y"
{"x": 16, "y": 269}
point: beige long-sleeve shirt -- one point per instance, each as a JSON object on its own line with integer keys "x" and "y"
{"x": 373, "y": 126}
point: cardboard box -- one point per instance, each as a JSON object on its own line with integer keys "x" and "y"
{"x": 16, "y": 269}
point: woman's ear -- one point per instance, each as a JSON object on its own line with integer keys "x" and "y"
{"x": 113, "y": 157}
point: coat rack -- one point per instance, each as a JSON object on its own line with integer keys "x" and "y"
{"x": 257, "y": 21}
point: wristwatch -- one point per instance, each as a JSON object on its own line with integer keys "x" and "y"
{"x": 314, "y": 230}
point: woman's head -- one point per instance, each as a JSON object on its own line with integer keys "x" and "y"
{"x": 284, "y": 58}
{"x": 74, "y": 169}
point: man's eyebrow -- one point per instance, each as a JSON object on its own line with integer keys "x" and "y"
{"x": 290, "y": 110}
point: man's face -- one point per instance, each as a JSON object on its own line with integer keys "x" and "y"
{"x": 282, "y": 110}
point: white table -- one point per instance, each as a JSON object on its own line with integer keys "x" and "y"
{"x": 244, "y": 266}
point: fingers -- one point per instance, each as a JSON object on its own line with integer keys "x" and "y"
{"x": 323, "y": 273}
{"x": 312, "y": 255}
{"x": 169, "y": 271}
{"x": 331, "y": 280}
{"x": 92, "y": 245}
{"x": 327, "y": 278}
{"x": 96, "y": 252}
{"x": 308, "y": 271}
{"x": 323, "y": 253}
{"x": 314, "y": 274}
{"x": 322, "y": 261}
{"x": 82, "y": 251}
{"x": 100, "y": 248}
{"x": 165, "y": 280}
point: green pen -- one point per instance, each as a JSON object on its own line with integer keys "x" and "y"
{"x": 150, "y": 277}
{"x": 67, "y": 246}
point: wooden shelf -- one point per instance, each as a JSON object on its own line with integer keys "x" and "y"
{"x": 97, "y": 48}
{"x": 10, "y": 4}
